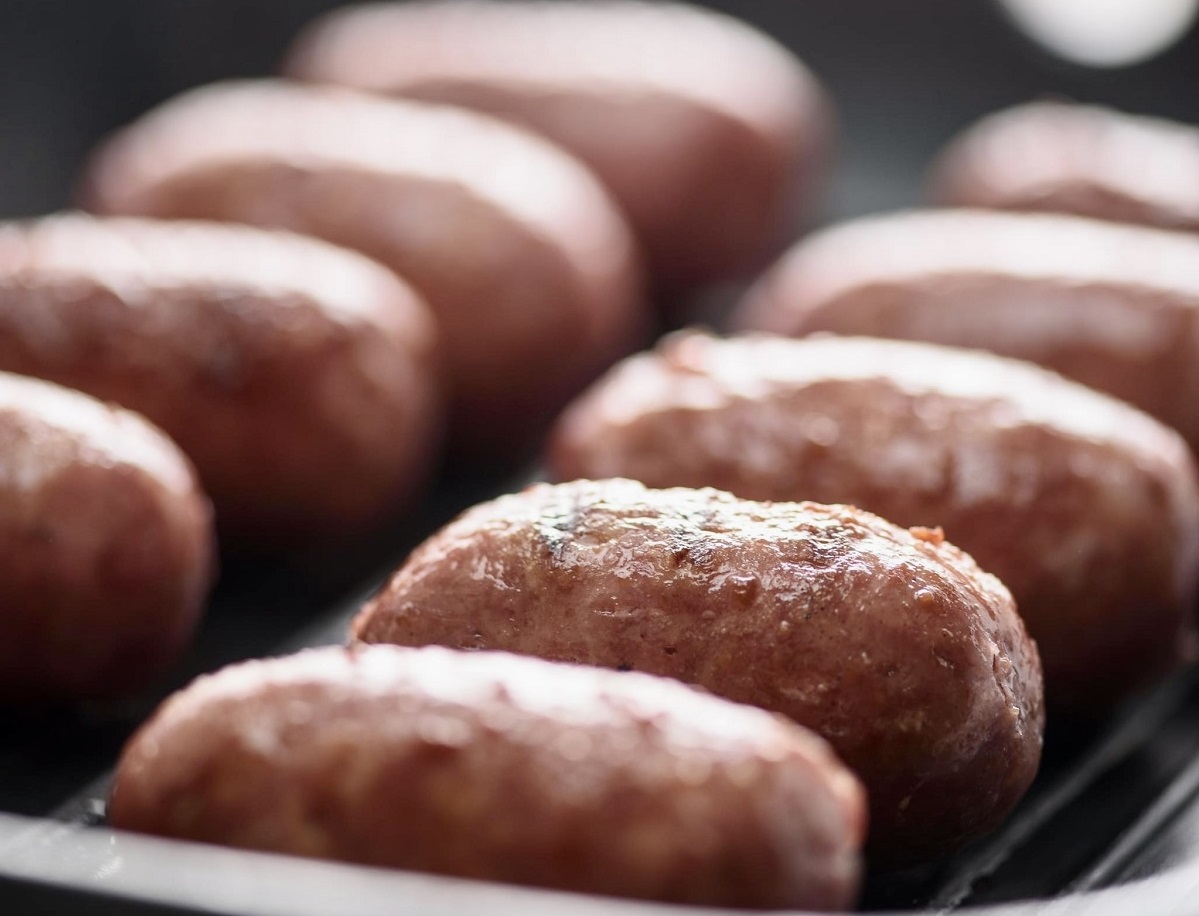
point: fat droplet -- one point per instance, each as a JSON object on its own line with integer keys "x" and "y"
{"x": 743, "y": 589}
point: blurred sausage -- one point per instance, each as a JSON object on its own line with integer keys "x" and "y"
{"x": 106, "y": 547}
{"x": 1113, "y": 307}
{"x": 709, "y": 133}
{"x": 528, "y": 267}
{"x": 298, "y": 377}
{"x": 1081, "y": 159}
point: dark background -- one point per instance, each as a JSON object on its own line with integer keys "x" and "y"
{"x": 905, "y": 74}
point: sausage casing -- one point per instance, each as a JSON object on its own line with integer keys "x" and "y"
{"x": 708, "y": 133}
{"x": 892, "y": 645}
{"x": 1084, "y": 507}
{"x": 1111, "y": 306}
{"x": 106, "y": 547}
{"x": 298, "y": 377}
{"x": 1057, "y": 157}
{"x": 502, "y": 768}
{"x": 529, "y": 269}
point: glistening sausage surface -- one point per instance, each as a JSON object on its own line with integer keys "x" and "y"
{"x": 891, "y": 644}
{"x": 1084, "y": 507}
{"x": 501, "y": 768}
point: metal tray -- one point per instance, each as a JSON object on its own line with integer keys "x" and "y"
{"x": 1112, "y": 824}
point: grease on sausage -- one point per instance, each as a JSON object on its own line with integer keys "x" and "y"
{"x": 501, "y": 768}
{"x": 1085, "y": 508}
{"x": 900, "y": 651}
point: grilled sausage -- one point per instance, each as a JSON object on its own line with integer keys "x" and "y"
{"x": 892, "y": 645}
{"x": 708, "y": 133}
{"x": 298, "y": 377}
{"x": 528, "y": 267}
{"x": 502, "y": 768}
{"x": 106, "y": 547}
{"x": 1081, "y": 159}
{"x": 1113, "y": 307}
{"x": 1084, "y": 507}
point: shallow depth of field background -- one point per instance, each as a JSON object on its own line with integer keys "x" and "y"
{"x": 905, "y": 75}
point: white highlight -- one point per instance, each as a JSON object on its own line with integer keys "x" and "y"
{"x": 1104, "y": 33}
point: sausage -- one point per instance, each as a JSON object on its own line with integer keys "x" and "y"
{"x": 529, "y": 269}
{"x": 1082, "y": 159}
{"x": 709, "y": 134}
{"x": 1113, "y": 307}
{"x": 502, "y": 768}
{"x": 299, "y": 378}
{"x": 106, "y": 547}
{"x": 892, "y": 645}
{"x": 1085, "y": 508}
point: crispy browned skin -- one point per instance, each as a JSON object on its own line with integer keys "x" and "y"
{"x": 1113, "y": 307}
{"x": 1081, "y": 159}
{"x": 1084, "y": 507}
{"x": 708, "y": 133}
{"x": 298, "y": 377}
{"x": 106, "y": 546}
{"x": 894, "y": 646}
{"x": 503, "y": 768}
{"x": 527, "y": 265}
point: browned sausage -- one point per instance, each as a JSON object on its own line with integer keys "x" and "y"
{"x": 528, "y": 267}
{"x": 1084, "y": 507}
{"x": 502, "y": 768}
{"x": 1113, "y": 307}
{"x": 298, "y": 377}
{"x": 894, "y": 646}
{"x": 106, "y": 546}
{"x": 709, "y": 133}
{"x": 1081, "y": 159}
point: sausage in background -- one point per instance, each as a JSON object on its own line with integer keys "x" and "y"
{"x": 528, "y": 267}
{"x": 1114, "y": 307}
{"x": 1057, "y": 157}
{"x": 710, "y": 134}
{"x": 106, "y": 547}
{"x": 298, "y": 377}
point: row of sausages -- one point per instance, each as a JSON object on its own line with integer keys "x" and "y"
{"x": 306, "y": 384}
{"x": 408, "y": 272}
{"x": 909, "y": 659}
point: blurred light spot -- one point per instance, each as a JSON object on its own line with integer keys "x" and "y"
{"x": 1104, "y": 33}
